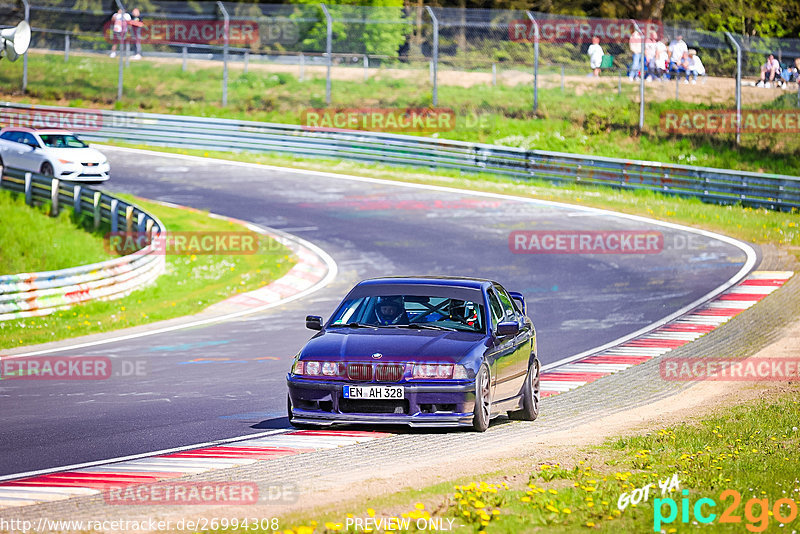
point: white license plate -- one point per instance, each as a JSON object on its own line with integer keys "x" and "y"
{"x": 373, "y": 392}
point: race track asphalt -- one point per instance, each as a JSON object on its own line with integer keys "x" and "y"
{"x": 228, "y": 379}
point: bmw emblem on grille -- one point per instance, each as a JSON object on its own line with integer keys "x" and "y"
{"x": 377, "y": 356}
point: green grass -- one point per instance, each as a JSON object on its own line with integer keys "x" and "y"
{"x": 750, "y": 449}
{"x": 190, "y": 283}
{"x": 32, "y": 242}
{"x": 597, "y": 121}
{"x": 749, "y": 224}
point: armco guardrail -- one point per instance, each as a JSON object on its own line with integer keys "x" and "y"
{"x": 34, "y": 294}
{"x": 773, "y": 191}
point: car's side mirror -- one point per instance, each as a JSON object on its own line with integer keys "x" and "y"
{"x": 314, "y": 322}
{"x": 507, "y": 328}
{"x": 517, "y": 296}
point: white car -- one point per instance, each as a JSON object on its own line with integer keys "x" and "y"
{"x": 57, "y": 153}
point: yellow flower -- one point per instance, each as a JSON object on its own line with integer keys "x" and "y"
{"x": 525, "y": 499}
{"x": 419, "y": 506}
{"x": 370, "y": 512}
{"x": 589, "y": 524}
{"x": 567, "y": 511}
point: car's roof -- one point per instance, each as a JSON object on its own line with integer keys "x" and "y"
{"x": 36, "y": 130}
{"x": 453, "y": 281}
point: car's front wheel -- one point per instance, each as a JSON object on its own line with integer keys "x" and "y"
{"x": 483, "y": 400}
{"x": 47, "y": 169}
{"x": 530, "y": 396}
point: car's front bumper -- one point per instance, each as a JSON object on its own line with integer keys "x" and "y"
{"x": 76, "y": 172}
{"x": 425, "y": 404}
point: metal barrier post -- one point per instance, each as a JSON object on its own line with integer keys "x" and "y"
{"x": 302, "y": 67}
{"x": 185, "y": 53}
{"x": 677, "y": 84}
{"x": 28, "y": 189}
{"x": 328, "y": 52}
{"x": 562, "y": 78}
{"x": 113, "y": 215}
{"x": 435, "y": 58}
{"x": 366, "y": 67}
{"x": 227, "y": 22}
{"x": 246, "y": 60}
{"x": 54, "y": 197}
{"x": 535, "y": 61}
{"x": 25, "y": 55}
{"x": 96, "y": 202}
{"x": 738, "y": 86}
{"x": 494, "y": 74}
{"x": 641, "y": 76}
{"x": 76, "y": 199}
{"x": 129, "y": 219}
{"x": 66, "y": 47}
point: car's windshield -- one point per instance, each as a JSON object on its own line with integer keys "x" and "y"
{"x": 411, "y": 311}
{"x": 62, "y": 141}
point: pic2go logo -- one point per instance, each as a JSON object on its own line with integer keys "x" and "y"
{"x": 756, "y": 511}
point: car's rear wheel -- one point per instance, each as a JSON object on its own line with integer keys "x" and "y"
{"x": 483, "y": 400}
{"x": 530, "y": 396}
{"x": 47, "y": 169}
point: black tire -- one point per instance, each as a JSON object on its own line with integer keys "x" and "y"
{"x": 47, "y": 169}
{"x": 483, "y": 400}
{"x": 530, "y": 397}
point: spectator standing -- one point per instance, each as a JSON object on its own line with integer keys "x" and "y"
{"x": 136, "y": 32}
{"x": 119, "y": 25}
{"x": 635, "y": 44}
{"x": 696, "y": 67}
{"x": 595, "y": 55}
{"x": 770, "y": 70}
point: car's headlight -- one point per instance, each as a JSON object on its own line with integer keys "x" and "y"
{"x": 314, "y": 368}
{"x": 439, "y": 371}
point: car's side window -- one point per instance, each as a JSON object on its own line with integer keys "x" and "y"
{"x": 8, "y": 136}
{"x": 29, "y": 140}
{"x": 13, "y": 136}
{"x": 509, "y": 310}
{"x": 497, "y": 308}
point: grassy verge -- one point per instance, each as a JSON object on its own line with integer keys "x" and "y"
{"x": 589, "y": 119}
{"x": 190, "y": 284}
{"x": 33, "y": 242}
{"x": 753, "y": 225}
{"x": 741, "y": 460}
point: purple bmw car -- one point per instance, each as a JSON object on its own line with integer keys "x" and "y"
{"x": 423, "y": 351}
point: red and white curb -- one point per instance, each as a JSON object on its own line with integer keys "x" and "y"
{"x": 94, "y": 480}
{"x": 670, "y": 336}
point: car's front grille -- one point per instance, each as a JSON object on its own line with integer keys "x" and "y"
{"x": 389, "y": 372}
{"x": 359, "y": 371}
{"x": 399, "y": 406}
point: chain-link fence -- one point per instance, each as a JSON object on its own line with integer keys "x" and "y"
{"x": 482, "y": 67}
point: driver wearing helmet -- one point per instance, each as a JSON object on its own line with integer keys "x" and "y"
{"x": 390, "y": 310}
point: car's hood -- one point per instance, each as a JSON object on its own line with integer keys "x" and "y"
{"x": 78, "y": 155}
{"x": 394, "y": 345}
